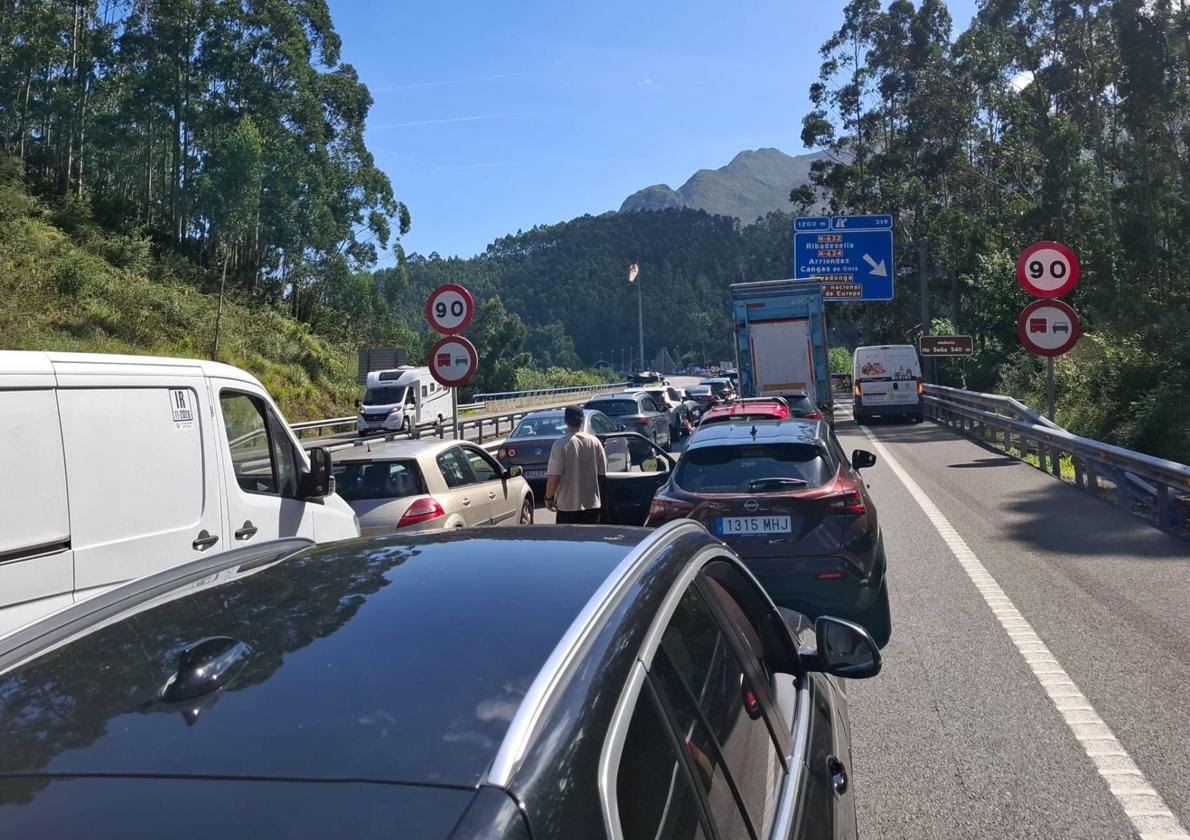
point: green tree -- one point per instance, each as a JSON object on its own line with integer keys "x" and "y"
{"x": 231, "y": 197}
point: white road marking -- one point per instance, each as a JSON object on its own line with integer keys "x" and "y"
{"x": 1144, "y": 807}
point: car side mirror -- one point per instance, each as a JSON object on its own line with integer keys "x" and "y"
{"x": 514, "y": 472}
{"x": 319, "y": 482}
{"x": 861, "y": 459}
{"x": 358, "y": 403}
{"x": 844, "y": 649}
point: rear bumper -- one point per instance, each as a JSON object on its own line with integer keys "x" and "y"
{"x": 915, "y": 410}
{"x": 795, "y": 583}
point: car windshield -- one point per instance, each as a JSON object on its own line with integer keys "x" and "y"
{"x": 745, "y": 468}
{"x": 699, "y": 392}
{"x": 358, "y": 480}
{"x": 618, "y": 408}
{"x": 384, "y": 395}
{"x": 541, "y": 425}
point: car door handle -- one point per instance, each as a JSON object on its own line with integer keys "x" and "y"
{"x": 247, "y": 531}
{"x": 466, "y": 502}
{"x": 204, "y": 540}
{"x": 838, "y": 774}
{"x": 491, "y": 495}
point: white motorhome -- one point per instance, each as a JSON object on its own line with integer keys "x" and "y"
{"x": 886, "y": 382}
{"x": 118, "y": 466}
{"x": 400, "y": 400}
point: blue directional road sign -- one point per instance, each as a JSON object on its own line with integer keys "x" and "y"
{"x": 852, "y": 256}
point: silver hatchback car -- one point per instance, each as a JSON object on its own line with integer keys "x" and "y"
{"x": 424, "y": 485}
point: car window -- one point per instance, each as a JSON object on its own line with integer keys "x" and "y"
{"x": 356, "y": 480}
{"x": 285, "y": 460}
{"x": 541, "y": 425}
{"x": 483, "y": 469}
{"x": 455, "y": 468}
{"x": 262, "y": 455}
{"x": 648, "y": 404}
{"x": 617, "y": 408}
{"x": 654, "y": 792}
{"x": 720, "y": 718}
{"x": 600, "y": 425}
{"x": 743, "y": 468}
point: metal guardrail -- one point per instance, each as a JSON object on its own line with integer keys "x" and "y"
{"x": 544, "y": 396}
{"x": 1154, "y": 487}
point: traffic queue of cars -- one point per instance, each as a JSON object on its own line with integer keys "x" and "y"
{"x": 683, "y": 679}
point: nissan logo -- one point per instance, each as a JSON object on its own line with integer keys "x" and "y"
{"x": 751, "y": 506}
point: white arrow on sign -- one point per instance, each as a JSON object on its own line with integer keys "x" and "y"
{"x": 877, "y": 267}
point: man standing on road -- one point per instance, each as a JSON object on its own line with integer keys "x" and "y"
{"x": 577, "y": 463}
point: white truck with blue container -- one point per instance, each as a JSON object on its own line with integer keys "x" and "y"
{"x": 780, "y": 334}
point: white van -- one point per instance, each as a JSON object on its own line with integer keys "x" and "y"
{"x": 400, "y": 400}
{"x": 117, "y": 466}
{"x": 886, "y": 382}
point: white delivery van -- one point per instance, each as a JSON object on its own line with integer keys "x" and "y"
{"x": 886, "y": 382}
{"x": 400, "y": 400}
{"x": 117, "y": 466}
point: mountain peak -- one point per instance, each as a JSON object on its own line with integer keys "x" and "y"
{"x": 754, "y": 183}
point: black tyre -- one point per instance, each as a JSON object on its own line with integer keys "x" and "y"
{"x": 527, "y": 512}
{"x": 877, "y": 619}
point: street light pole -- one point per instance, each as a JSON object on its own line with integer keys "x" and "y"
{"x": 923, "y": 268}
{"x": 640, "y": 315}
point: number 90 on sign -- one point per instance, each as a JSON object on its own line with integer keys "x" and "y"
{"x": 450, "y": 308}
{"x": 1047, "y": 269}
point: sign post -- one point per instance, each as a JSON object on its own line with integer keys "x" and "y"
{"x": 453, "y": 362}
{"x": 851, "y": 256}
{"x": 453, "y": 359}
{"x": 1048, "y": 327}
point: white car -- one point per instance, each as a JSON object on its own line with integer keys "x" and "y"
{"x": 425, "y": 485}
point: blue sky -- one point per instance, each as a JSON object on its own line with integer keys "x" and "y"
{"x": 494, "y": 116}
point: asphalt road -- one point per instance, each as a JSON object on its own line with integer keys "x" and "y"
{"x": 1036, "y": 682}
{"x": 958, "y": 737}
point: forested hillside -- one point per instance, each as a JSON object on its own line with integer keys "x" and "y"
{"x": 570, "y": 279}
{"x": 1046, "y": 119}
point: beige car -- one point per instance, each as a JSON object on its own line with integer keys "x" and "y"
{"x": 420, "y": 485}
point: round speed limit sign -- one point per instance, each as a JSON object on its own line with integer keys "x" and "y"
{"x": 1047, "y": 269}
{"x": 450, "y": 309}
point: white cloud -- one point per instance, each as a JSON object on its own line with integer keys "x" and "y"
{"x": 646, "y": 82}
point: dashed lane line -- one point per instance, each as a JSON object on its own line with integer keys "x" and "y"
{"x": 1144, "y": 807}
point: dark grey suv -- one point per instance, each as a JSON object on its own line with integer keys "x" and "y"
{"x": 636, "y": 412}
{"x": 556, "y": 681}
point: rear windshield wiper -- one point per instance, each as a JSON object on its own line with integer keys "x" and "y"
{"x": 775, "y": 483}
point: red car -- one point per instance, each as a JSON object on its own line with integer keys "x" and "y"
{"x": 743, "y": 411}
{"x": 789, "y": 501}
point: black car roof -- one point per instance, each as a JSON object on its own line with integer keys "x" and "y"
{"x": 394, "y": 659}
{"x": 768, "y": 431}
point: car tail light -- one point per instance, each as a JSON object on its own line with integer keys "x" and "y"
{"x": 506, "y": 452}
{"x": 830, "y": 576}
{"x": 855, "y": 391}
{"x": 813, "y": 415}
{"x": 921, "y": 386}
{"x": 850, "y": 502}
{"x": 422, "y": 510}
{"x": 664, "y": 509}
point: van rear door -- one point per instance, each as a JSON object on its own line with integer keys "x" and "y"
{"x": 36, "y": 561}
{"x": 144, "y": 489}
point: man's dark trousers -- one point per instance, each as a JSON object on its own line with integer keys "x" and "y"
{"x": 578, "y": 517}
